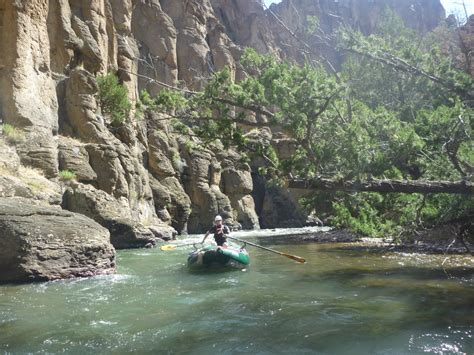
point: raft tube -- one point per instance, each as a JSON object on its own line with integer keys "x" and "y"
{"x": 208, "y": 256}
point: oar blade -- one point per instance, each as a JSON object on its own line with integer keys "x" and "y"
{"x": 168, "y": 247}
{"x": 295, "y": 258}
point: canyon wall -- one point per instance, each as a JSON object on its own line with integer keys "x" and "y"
{"x": 140, "y": 180}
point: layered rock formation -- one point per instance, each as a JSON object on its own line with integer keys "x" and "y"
{"x": 43, "y": 243}
{"x": 28, "y": 91}
{"x": 139, "y": 179}
{"x": 20, "y": 181}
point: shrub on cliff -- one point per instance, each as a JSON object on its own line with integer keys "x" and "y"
{"x": 12, "y": 134}
{"x": 113, "y": 98}
{"x": 67, "y": 175}
{"x": 144, "y": 103}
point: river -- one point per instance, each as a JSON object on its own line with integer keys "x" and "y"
{"x": 342, "y": 301}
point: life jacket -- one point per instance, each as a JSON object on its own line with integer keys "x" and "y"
{"x": 219, "y": 232}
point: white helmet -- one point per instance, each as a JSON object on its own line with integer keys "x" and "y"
{"x": 218, "y": 218}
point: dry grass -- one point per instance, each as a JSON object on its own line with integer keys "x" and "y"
{"x": 12, "y": 134}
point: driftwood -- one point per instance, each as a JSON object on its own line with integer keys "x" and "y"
{"x": 385, "y": 186}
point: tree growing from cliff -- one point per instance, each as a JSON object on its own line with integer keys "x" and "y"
{"x": 390, "y": 135}
{"x": 113, "y": 98}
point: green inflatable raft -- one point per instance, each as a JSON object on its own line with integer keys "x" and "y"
{"x": 233, "y": 256}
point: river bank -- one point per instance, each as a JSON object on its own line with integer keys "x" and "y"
{"x": 441, "y": 241}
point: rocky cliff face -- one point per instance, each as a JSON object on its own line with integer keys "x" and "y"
{"x": 421, "y": 15}
{"x": 139, "y": 180}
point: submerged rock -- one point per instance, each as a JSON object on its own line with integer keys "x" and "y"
{"x": 39, "y": 243}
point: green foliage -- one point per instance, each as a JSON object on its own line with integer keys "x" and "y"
{"x": 12, "y": 134}
{"x": 145, "y": 103}
{"x": 423, "y": 128}
{"x": 400, "y": 78}
{"x": 362, "y": 214}
{"x": 189, "y": 146}
{"x": 146, "y": 100}
{"x": 176, "y": 158}
{"x": 8, "y": 129}
{"x": 180, "y": 127}
{"x": 312, "y": 24}
{"x": 398, "y": 109}
{"x": 377, "y": 215}
{"x": 67, "y": 175}
{"x": 171, "y": 100}
{"x": 113, "y": 98}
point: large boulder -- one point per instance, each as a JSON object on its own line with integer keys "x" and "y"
{"x": 115, "y": 215}
{"x": 44, "y": 243}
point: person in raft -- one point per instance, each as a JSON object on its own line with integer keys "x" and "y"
{"x": 220, "y": 232}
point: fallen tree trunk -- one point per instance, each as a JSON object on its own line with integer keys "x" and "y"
{"x": 385, "y": 186}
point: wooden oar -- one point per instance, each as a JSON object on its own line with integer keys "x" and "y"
{"x": 294, "y": 257}
{"x": 174, "y": 246}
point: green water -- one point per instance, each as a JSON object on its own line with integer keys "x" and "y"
{"x": 341, "y": 302}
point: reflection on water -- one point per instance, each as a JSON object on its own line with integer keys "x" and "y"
{"x": 341, "y": 301}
